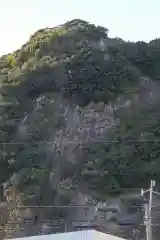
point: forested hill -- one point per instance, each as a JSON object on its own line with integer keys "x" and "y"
{"x": 79, "y": 112}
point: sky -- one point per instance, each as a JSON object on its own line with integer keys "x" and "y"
{"x": 131, "y": 20}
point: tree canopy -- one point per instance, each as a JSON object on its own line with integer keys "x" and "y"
{"x": 77, "y": 63}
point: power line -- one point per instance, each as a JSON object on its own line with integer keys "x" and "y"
{"x": 56, "y": 206}
{"x": 80, "y": 142}
{"x": 69, "y": 206}
{"x": 75, "y": 206}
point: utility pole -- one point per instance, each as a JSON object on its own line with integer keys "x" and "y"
{"x": 148, "y": 209}
{"x": 146, "y": 220}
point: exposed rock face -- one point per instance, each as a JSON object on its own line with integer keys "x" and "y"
{"x": 53, "y": 144}
{"x": 64, "y": 147}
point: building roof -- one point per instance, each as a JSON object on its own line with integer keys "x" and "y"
{"x": 79, "y": 235}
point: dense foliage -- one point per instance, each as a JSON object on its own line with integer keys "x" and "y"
{"x": 81, "y": 64}
{"x": 130, "y": 156}
{"x": 67, "y": 59}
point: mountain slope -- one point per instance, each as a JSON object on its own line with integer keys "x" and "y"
{"x": 72, "y": 102}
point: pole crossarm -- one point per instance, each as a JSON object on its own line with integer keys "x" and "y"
{"x": 157, "y": 193}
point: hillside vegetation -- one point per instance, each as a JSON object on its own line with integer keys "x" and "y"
{"x": 62, "y": 69}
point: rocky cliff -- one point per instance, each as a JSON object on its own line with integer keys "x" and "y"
{"x": 79, "y": 123}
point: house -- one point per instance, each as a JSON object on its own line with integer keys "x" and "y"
{"x": 79, "y": 235}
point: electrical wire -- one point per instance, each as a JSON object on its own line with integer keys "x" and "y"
{"x": 80, "y": 142}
